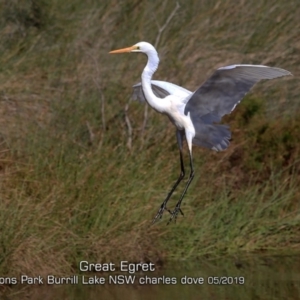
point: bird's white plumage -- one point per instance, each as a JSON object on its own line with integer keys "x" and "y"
{"x": 245, "y": 65}
{"x": 216, "y": 97}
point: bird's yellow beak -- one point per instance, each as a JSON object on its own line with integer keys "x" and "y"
{"x": 123, "y": 50}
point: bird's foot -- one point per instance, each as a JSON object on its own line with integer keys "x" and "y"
{"x": 174, "y": 214}
{"x": 160, "y": 213}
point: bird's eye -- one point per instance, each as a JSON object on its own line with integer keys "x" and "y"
{"x": 138, "y": 47}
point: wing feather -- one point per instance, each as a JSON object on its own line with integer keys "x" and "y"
{"x": 220, "y": 94}
{"x": 161, "y": 89}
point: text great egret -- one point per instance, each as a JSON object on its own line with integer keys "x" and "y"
{"x": 195, "y": 114}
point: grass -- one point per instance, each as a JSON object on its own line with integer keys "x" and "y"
{"x": 72, "y": 189}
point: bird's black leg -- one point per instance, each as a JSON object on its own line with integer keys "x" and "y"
{"x": 163, "y": 206}
{"x": 177, "y": 207}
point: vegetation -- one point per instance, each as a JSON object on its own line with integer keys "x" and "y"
{"x": 82, "y": 178}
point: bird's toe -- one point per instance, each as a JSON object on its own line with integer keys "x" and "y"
{"x": 160, "y": 213}
{"x": 174, "y": 214}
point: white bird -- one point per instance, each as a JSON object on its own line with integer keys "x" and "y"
{"x": 195, "y": 113}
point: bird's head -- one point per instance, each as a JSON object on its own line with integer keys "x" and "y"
{"x": 142, "y": 47}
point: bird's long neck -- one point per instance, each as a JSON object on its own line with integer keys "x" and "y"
{"x": 147, "y": 74}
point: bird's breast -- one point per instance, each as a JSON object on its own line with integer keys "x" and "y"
{"x": 181, "y": 121}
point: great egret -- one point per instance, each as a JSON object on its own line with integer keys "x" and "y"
{"x": 195, "y": 114}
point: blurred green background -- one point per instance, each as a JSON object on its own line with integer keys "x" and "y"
{"x": 83, "y": 172}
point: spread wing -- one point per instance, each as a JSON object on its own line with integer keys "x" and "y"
{"x": 220, "y": 94}
{"x": 161, "y": 89}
